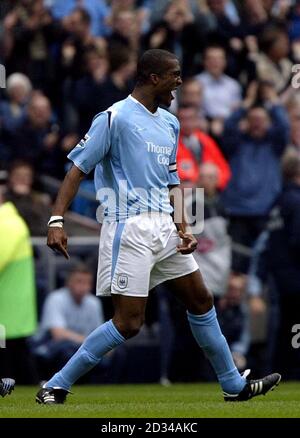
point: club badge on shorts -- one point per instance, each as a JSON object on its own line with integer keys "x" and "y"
{"x": 122, "y": 281}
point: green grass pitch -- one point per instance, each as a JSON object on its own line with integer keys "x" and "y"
{"x": 153, "y": 401}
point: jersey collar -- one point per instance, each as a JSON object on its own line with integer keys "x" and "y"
{"x": 156, "y": 114}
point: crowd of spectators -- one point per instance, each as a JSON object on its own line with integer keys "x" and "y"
{"x": 239, "y": 109}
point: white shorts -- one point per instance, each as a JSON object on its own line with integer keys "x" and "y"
{"x": 139, "y": 254}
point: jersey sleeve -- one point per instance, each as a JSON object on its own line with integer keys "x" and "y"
{"x": 94, "y": 146}
{"x": 173, "y": 174}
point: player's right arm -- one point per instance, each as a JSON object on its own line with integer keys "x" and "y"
{"x": 85, "y": 156}
{"x": 57, "y": 238}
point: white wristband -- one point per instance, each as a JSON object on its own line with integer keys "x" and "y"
{"x": 56, "y": 224}
{"x": 55, "y": 219}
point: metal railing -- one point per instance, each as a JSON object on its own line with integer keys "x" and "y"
{"x": 48, "y": 263}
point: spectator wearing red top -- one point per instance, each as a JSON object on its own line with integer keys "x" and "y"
{"x": 195, "y": 148}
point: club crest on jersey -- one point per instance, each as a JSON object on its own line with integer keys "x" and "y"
{"x": 83, "y": 141}
{"x": 122, "y": 281}
{"x": 139, "y": 128}
{"x": 172, "y": 134}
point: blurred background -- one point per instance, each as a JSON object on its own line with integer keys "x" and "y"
{"x": 239, "y": 109}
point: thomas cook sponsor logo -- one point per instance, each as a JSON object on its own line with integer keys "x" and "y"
{"x": 122, "y": 281}
{"x": 163, "y": 152}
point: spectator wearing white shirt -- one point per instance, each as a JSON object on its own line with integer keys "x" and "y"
{"x": 221, "y": 94}
{"x": 69, "y": 315}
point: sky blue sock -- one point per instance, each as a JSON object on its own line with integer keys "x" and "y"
{"x": 99, "y": 342}
{"x": 207, "y": 332}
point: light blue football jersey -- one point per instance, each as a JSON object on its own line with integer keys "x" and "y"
{"x": 133, "y": 152}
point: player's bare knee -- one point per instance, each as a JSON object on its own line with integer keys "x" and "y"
{"x": 202, "y": 303}
{"x": 129, "y": 327}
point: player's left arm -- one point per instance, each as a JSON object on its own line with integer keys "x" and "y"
{"x": 188, "y": 240}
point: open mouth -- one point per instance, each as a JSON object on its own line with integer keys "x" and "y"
{"x": 173, "y": 93}
{"x": 170, "y": 95}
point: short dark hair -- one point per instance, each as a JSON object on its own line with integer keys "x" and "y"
{"x": 214, "y": 46}
{"x": 84, "y": 15}
{"x": 183, "y": 106}
{"x": 268, "y": 37}
{"x": 257, "y": 105}
{"x": 16, "y": 164}
{"x": 152, "y": 61}
{"x": 119, "y": 55}
{"x": 81, "y": 268}
{"x": 290, "y": 165}
{"x": 190, "y": 80}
